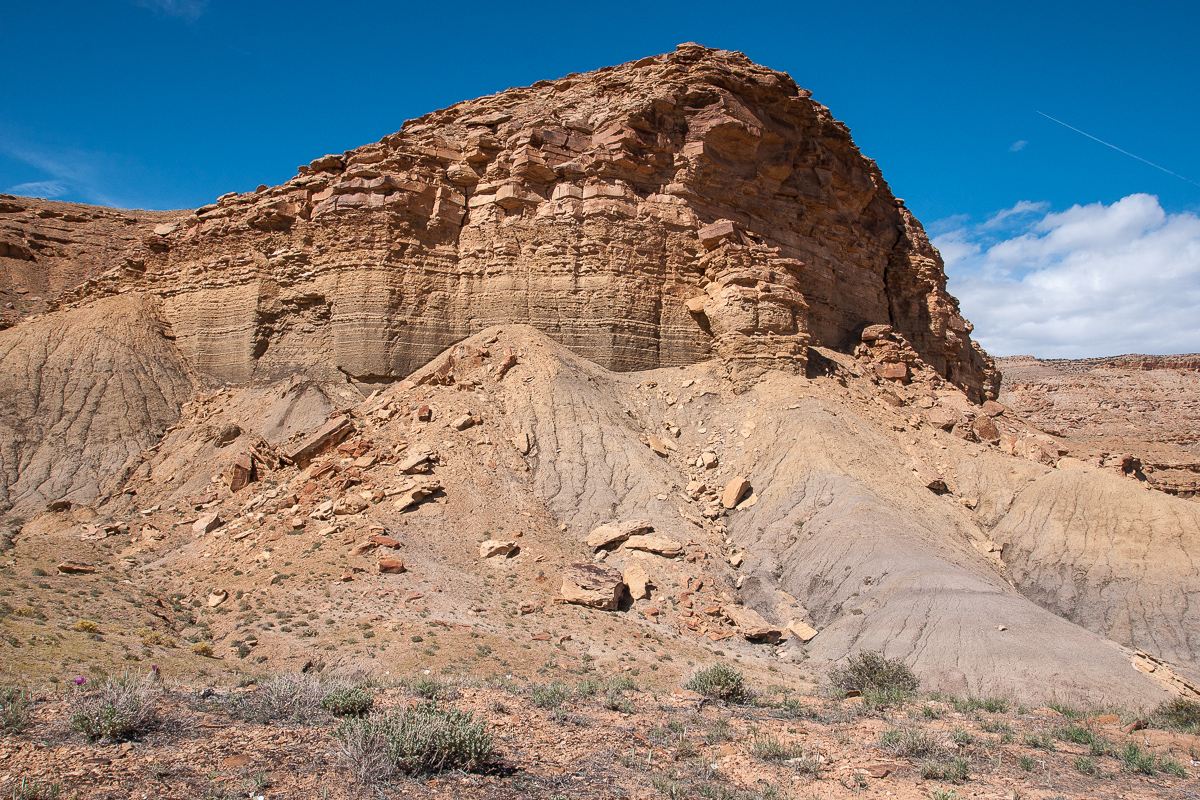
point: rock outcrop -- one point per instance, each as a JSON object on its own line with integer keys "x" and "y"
{"x": 645, "y": 215}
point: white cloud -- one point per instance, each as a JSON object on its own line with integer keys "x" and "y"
{"x": 189, "y": 10}
{"x": 47, "y": 190}
{"x": 1094, "y": 280}
{"x": 1018, "y": 145}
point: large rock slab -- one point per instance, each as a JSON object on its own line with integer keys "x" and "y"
{"x": 592, "y": 585}
{"x": 615, "y": 532}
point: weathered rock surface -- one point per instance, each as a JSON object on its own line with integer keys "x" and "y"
{"x": 592, "y": 585}
{"x": 82, "y": 396}
{"x": 646, "y": 215}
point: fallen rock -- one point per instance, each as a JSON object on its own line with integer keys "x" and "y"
{"x": 985, "y": 429}
{"x": 655, "y": 544}
{"x": 613, "y": 532}
{"x": 657, "y": 445}
{"x": 751, "y": 624}
{"x": 241, "y": 472}
{"x": 708, "y": 459}
{"x": 930, "y": 477}
{"x": 207, "y": 523}
{"x": 75, "y": 568}
{"x": 390, "y": 566}
{"x": 385, "y": 541}
{"x": 801, "y": 630}
{"x": 463, "y": 422}
{"x": 217, "y": 597}
{"x": 497, "y": 547}
{"x": 637, "y": 580}
{"x": 416, "y": 462}
{"x": 410, "y": 497}
{"x": 592, "y": 585}
{"x": 734, "y": 490}
{"x": 350, "y": 504}
{"x": 325, "y": 437}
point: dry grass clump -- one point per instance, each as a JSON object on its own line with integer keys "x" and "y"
{"x": 720, "y": 682}
{"x": 120, "y": 709}
{"x": 870, "y": 671}
{"x": 425, "y": 738}
{"x": 300, "y": 698}
{"x": 14, "y": 709}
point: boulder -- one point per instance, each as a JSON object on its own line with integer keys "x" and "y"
{"x": 613, "y": 532}
{"x": 751, "y": 624}
{"x": 241, "y": 472}
{"x": 801, "y": 630}
{"x": 75, "y": 568}
{"x": 654, "y": 544}
{"x": 657, "y": 445}
{"x": 415, "y": 494}
{"x": 592, "y": 585}
{"x": 637, "y": 580}
{"x": 390, "y": 566}
{"x": 207, "y": 523}
{"x": 734, "y": 491}
{"x": 930, "y": 477}
{"x": 215, "y": 598}
{"x": 497, "y": 547}
{"x": 415, "y": 462}
{"x": 325, "y": 437}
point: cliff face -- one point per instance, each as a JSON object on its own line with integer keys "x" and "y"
{"x": 651, "y": 214}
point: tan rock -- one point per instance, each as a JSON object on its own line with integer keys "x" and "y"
{"x": 216, "y": 598}
{"x": 929, "y": 476}
{"x": 734, "y": 491}
{"x": 497, "y": 547}
{"x": 654, "y": 544}
{"x": 801, "y": 630}
{"x": 751, "y": 624}
{"x": 658, "y": 446}
{"x": 463, "y": 422}
{"x": 708, "y": 459}
{"x": 75, "y": 568}
{"x": 415, "y": 494}
{"x": 592, "y": 585}
{"x": 241, "y": 472}
{"x": 637, "y": 580}
{"x": 207, "y": 523}
{"x": 415, "y": 463}
{"x": 391, "y": 566}
{"x": 325, "y": 437}
{"x": 985, "y": 429}
{"x": 613, "y": 532}
{"x": 350, "y": 504}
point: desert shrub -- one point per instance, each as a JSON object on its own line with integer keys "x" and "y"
{"x": 869, "y": 670}
{"x": 428, "y": 688}
{"x": 1085, "y": 765}
{"x": 995, "y": 705}
{"x": 424, "y": 738}
{"x": 203, "y": 649}
{"x": 86, "y": 626}
{"x": 768, "y": 747}
{"x": 1180, "y": 713}
{"x": 956, "y": 770}
{"x": 720, "y": 682}
{"x": 961, "y": 736}
{"x": 1038, "y": 742}
{"x": 1076, "y": 734}
{"x": 288, "y": 697}
{"x": 1172, "y": 767}
{"x": 551, "y": 695}
{"x": 348, "y": 701}
{"x": 910, "y": 742}
{"x": 587, "y": 688}
{"x": 14, "y": 709}
{"x": 120, "y": 709}
{"x": 1137, "y": 760}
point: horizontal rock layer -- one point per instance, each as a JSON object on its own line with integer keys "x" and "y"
{"x": 646, "y": 215}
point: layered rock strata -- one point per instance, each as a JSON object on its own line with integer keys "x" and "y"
{"x": 646, "y": 215}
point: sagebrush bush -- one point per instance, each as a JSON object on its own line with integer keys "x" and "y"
{"x": 870, "y": 671}
{"x": 348, "y": 701}
{"x": 551, "y": 695}
{"x": 956, "y": 770}
{"x": 910, "y": 742}
{"x": 425, "y": 738}
{"x": 120, "y": 709}
{"x": 720, "y": 682}
{"x": 289, "y": 697}
{"x": 14, "y": 709}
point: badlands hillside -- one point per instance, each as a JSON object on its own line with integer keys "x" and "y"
{"x": 622, "y": 374}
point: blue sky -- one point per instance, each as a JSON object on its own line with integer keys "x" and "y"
{"x": 170, "y": 103}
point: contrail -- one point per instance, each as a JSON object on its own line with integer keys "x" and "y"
{"x": 1119, "y": 150}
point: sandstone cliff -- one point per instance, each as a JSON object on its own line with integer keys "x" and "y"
{"x": 644, "y": 215}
